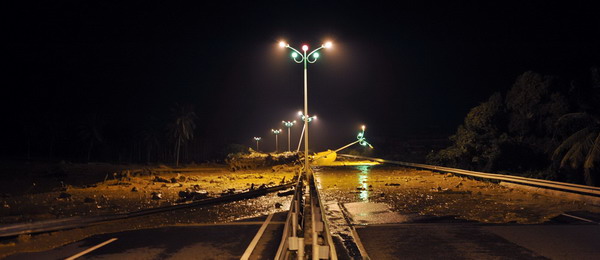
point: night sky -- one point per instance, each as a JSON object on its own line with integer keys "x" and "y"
{"x": 400, "y": 69}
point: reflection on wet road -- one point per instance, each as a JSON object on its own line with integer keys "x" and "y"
{"x": 363, "y": 178}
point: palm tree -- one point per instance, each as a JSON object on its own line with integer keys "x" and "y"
{"x": 582, "y": 148}
{"x": 181, "y": 128}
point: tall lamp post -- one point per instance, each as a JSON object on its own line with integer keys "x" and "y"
{"x": 276, "y": 132}
{"x": 257, "y": 138}
{"x": 304, "y": 58}
{"x": 289, "y": 125}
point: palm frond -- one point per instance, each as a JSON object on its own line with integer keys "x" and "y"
{"x": 575, "y": 138}
{"x": 594, "y": 154}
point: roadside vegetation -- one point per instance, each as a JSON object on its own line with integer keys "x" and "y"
{"x": 543, "y": 127}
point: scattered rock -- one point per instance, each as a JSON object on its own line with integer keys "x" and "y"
{"x": 278, "y": 205}
{"x": 134, "y": 189}
{"x": 161, "y": 179}
{"x": 64, "y": 195}
{"x": 173, "y": 180}
{"x": 157, "y": 195}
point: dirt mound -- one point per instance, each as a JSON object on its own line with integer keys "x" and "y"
{"x": 256, "y": 160}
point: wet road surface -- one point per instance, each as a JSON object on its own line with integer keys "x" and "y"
{"x": 399, "y": 214}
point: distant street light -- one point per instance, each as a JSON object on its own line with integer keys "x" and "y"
{"x": 289, "y": 125}
{"x": 304, "y": 58}
{"x": 257, "y": 139}
{"x": 304, "y": 118}
{"x": 276, "y": 132}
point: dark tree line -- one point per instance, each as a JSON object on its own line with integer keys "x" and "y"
{"x": 542, "y": 127}
{"x": 101, "y": 137}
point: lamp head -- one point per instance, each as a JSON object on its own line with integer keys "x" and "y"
{"x": 327, "y": 45}
{"x": 305, "y": 47}
{"x": 282, "y": 44}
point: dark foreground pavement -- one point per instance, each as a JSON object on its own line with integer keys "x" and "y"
{"x": 476, "y": 241}
{"x": 201, "y": 241}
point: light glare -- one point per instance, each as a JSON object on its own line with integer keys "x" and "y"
{"x": 328, "y": 45}
{"x": 282, "y": 44}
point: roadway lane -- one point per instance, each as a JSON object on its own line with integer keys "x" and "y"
{"x": 406, "y": 214}
{"x": 195, "y": 241}
{"x": 474, "y": 241}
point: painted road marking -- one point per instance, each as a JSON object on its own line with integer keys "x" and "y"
{"x": 91, "y": 249}
{"x": 259, "y": 234}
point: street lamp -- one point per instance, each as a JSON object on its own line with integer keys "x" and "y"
{"x": 289, "y": 125}
{"x": 257, "y": 139}
{"x": 310, "y": 118}
{"x": 276, "y": 132}
{"x": 302, "y": 57}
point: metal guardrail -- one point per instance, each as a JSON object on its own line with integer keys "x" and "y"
{"x": 590, "y": 191}
{"x": 290, "y": 237}
{"x": 296, "y": 226}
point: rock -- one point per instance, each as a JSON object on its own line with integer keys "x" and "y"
{"x": 173, "y": 180}
{"x": 161, "y": 179}
{"x": 64, "y": 195}
{"x": 89, "y": 200}
{"x": 278, "y": 205}
{"x": 156, "y": 195}
{"x": 134, "y": 189}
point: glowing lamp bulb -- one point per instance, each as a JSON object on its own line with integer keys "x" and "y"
{"x": 299, "y": 113}
{"x": 363, "y": 128}
{"x": 316, "y": 55}
{"x": 305, "y": 47}
{"x": 328, "y": 45}
{"x": 282, "y": 44}
{"x": 294, "y": 55}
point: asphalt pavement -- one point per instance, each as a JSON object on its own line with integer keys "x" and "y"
{"x": 194, "y": 241}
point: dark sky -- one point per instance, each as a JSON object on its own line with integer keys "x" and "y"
{"x": 400, "y": 69}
